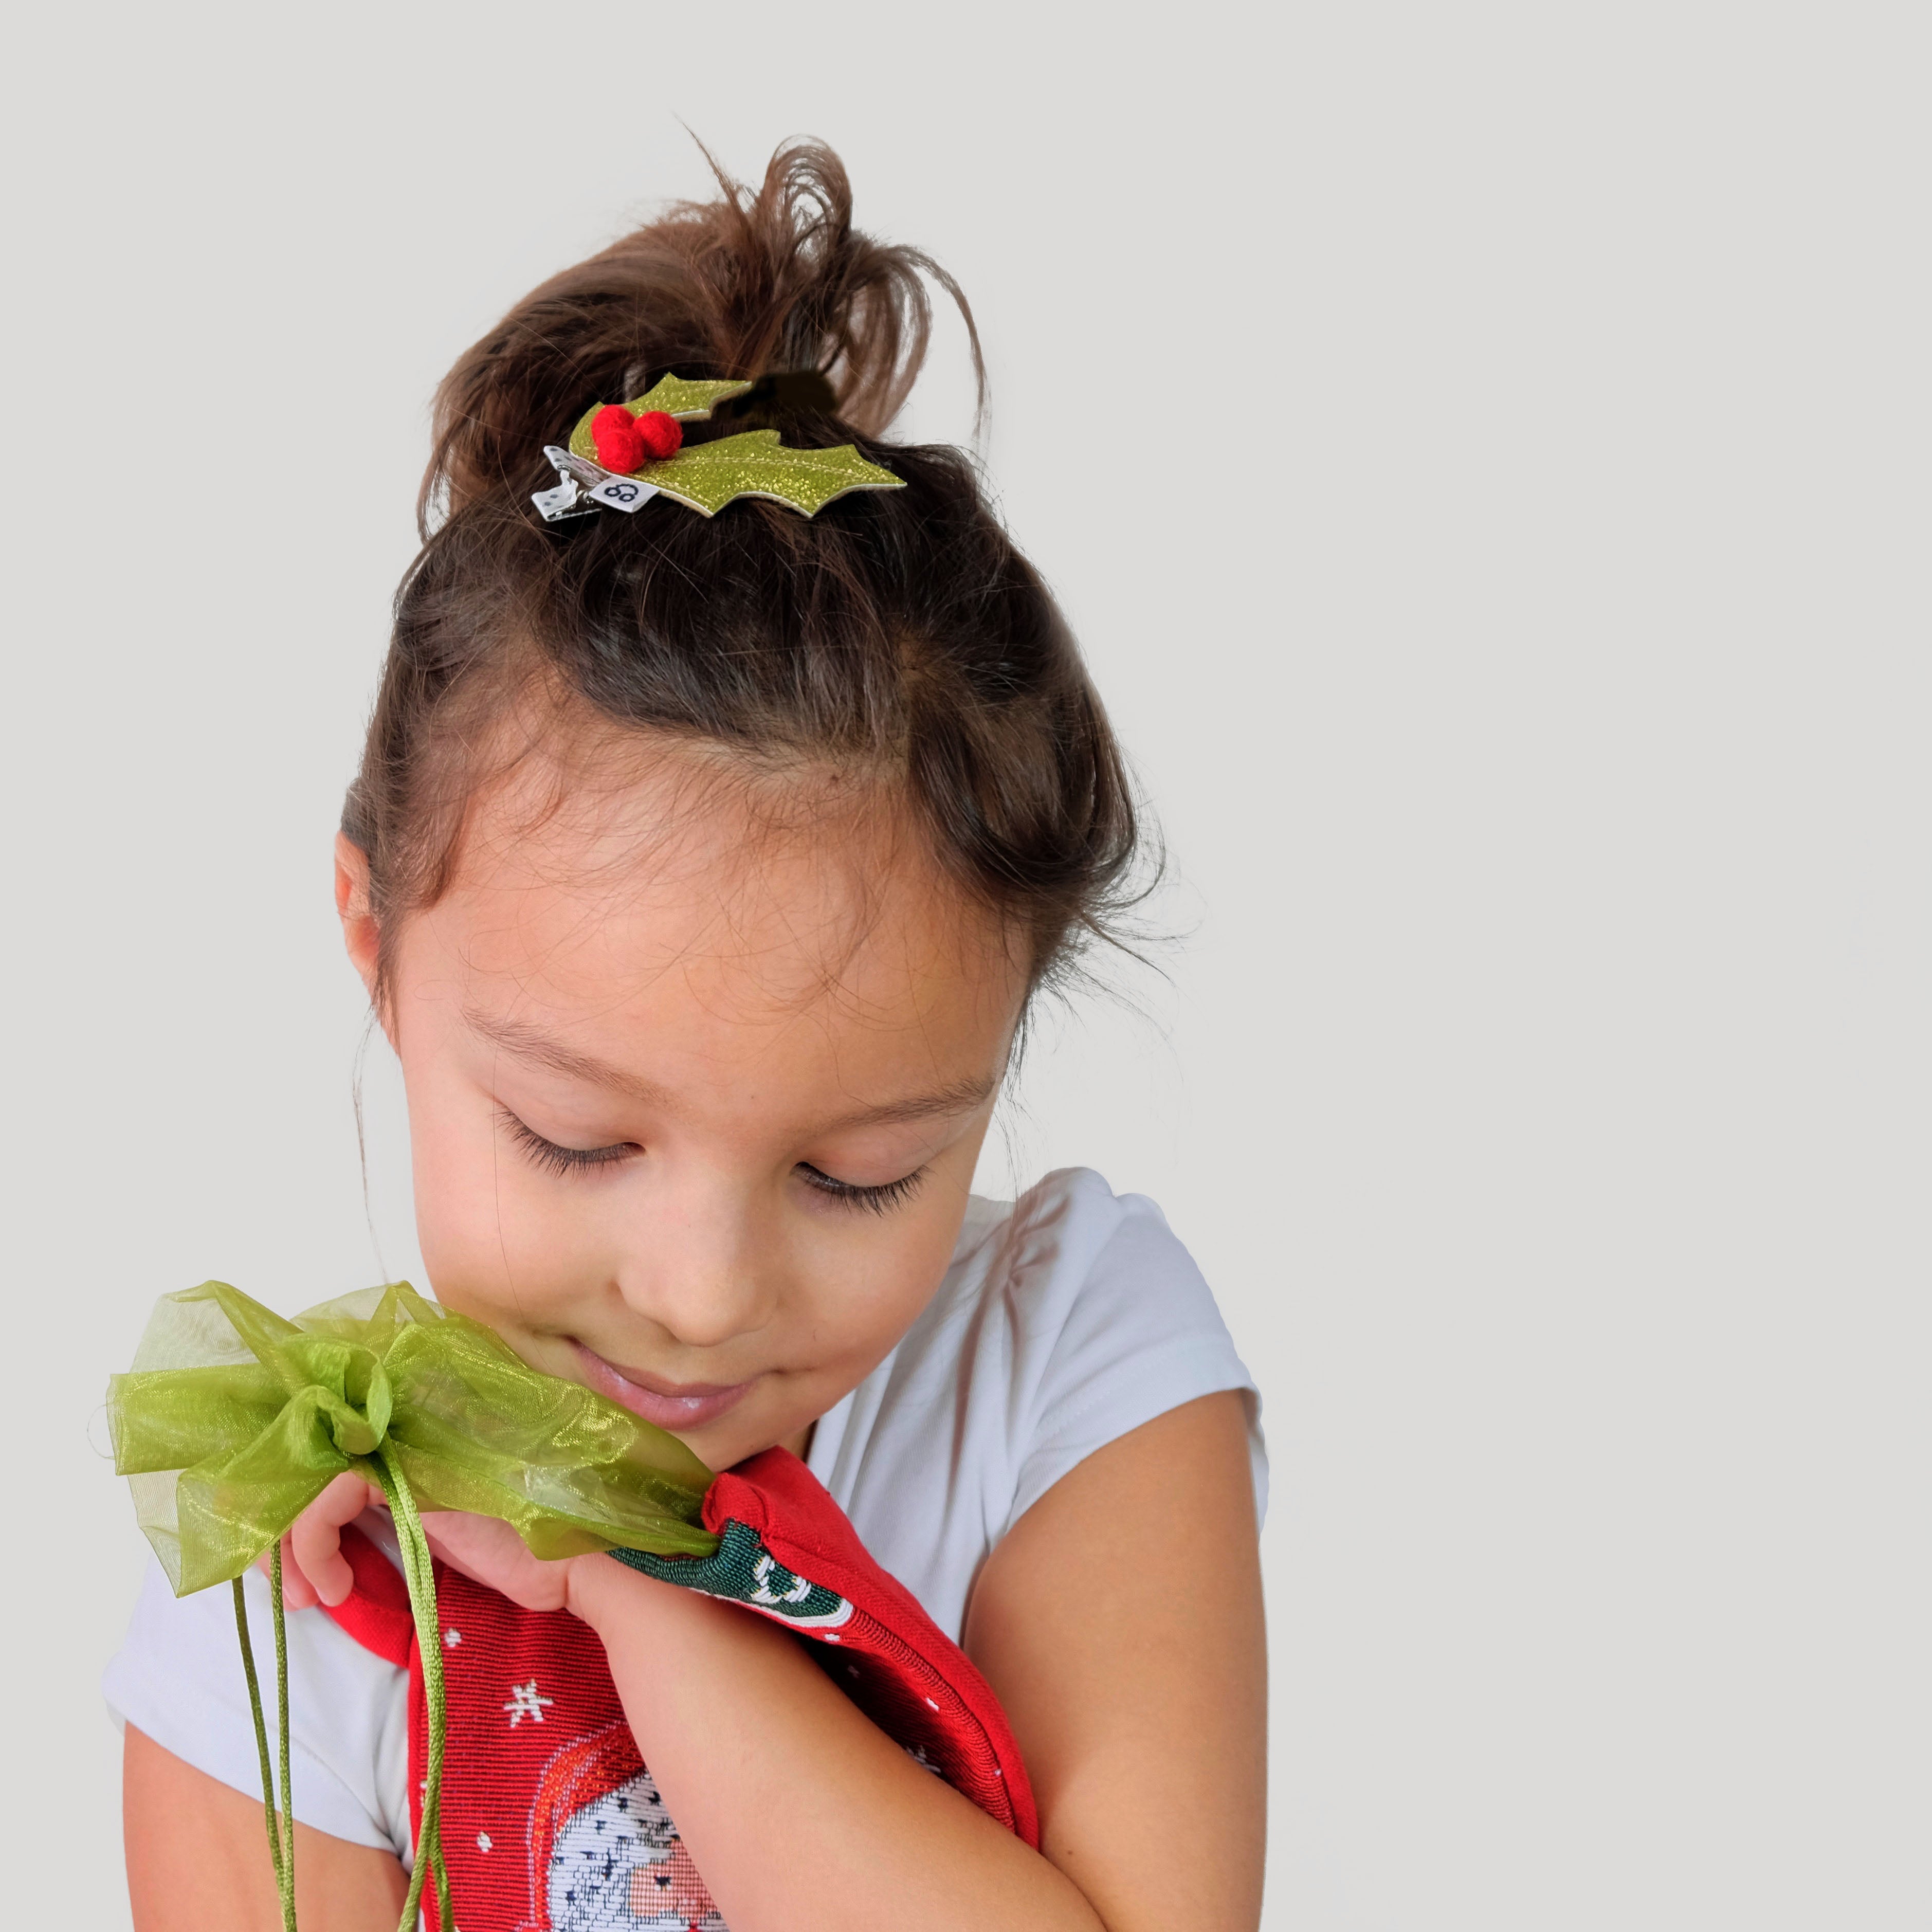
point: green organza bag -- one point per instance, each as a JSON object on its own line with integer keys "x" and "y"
{"x": 233, "y": 1421}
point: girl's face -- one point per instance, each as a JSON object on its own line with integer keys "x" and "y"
{"x": 695, "y": 1095}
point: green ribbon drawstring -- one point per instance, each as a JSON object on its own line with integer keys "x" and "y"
{"x": 233, "y": 1421}
{"x": 418, "y": 1573}
{"x": 282, "y": 1827}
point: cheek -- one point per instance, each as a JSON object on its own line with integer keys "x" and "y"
{"x": 852, "y": 1295}
{"x": 493, "y": 1237}
{"x": 871, "y": 1278}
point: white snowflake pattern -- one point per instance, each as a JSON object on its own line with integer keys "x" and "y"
{"x": 483, "y": 1841}
{"x": 524, "y": 1703}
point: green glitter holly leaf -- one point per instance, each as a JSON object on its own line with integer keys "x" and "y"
{"x": 689, "y": 402}
{"x": 757, "y": 464}
{"x": 707, "y": 477}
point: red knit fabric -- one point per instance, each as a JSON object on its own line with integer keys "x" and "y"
{"x": 551, "y": 1821}
{"x": 377, "y": 1613}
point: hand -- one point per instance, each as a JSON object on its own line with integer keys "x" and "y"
{"x": 488, "y": 1551}
{"x": 314, "y": 1570}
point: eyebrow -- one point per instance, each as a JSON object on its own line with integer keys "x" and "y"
{"x": 536, "y": 1048}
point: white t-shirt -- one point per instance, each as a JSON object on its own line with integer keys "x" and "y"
{"x": 1065, "y": 1319}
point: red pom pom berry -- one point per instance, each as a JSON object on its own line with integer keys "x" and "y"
{"x": 662, "y": 433}
{"x": 614, "y": 431}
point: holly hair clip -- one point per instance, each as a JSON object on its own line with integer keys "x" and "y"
{"x": 622, "y": 454}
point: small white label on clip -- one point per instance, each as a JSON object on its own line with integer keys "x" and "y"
{"x": 621, "y": 493}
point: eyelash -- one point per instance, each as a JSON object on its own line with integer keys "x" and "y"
{"x": 880, "y": 1200}
{"x": 547, "y": 1154}
{"x": 563, "y": 1160}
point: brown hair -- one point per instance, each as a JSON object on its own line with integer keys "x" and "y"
{"x": 898, "y": 632}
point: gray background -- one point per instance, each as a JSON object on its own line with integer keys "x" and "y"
{"x": 1483, "y": 448}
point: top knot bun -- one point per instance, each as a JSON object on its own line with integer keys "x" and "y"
{"x": 775, "y": 283}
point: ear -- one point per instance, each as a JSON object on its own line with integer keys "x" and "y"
{"x": 359, "y": 932}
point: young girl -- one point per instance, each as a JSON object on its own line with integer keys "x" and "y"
{"x": 700, "y": 870}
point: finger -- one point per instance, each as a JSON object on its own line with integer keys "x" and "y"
{"x": 296, "y": 1593}
{"x": 316, "y": 1541}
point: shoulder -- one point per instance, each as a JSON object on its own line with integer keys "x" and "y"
{"x": 1068, "y": 1233}
{"x": 1067, "y": 1318}
{"x": 1073, "y": 1277}
{"x": 1109, "y": 1321}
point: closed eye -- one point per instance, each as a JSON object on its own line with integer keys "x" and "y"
{"x": 880, "y": 1200}
{"x": 555, "y": 1160}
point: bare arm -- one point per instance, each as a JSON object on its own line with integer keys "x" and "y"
{"x": 198, "y": 1858}
{"x": 797, "y": 1809}
{"x": 1121, "y": 1624}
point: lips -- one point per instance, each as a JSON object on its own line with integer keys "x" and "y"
{"x": 677, "y": 1406}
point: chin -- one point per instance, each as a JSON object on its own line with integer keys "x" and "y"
{"x": 723, "y": 1448}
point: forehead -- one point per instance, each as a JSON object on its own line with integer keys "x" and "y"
{"x": 671, "y": 879}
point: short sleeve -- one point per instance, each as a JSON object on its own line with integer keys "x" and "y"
{"x": 1120, "y": 1327}
{"x": 178, "y": 1678}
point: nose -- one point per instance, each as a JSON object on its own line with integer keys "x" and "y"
{"x": 699, "y": 1265}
